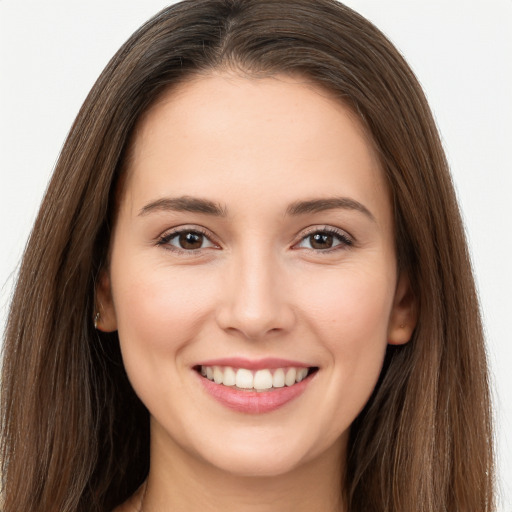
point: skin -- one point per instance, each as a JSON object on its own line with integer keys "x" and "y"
{"x": 258, "y": 287}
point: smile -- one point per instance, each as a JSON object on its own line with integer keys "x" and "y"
{"x": 260, "y": 389}
{"x": 255, "y": 380}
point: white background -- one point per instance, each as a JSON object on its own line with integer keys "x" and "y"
{"x": 51, "y": 52}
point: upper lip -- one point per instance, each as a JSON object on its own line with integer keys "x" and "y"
{"x": 254, "y": 364}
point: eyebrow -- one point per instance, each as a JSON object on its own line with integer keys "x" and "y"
{"x": 332, "y": 203}
{"x": 205, "y": 206}
{"x": 184, "y": 204}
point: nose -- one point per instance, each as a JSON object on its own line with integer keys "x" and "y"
{"x": 255, "y": 301}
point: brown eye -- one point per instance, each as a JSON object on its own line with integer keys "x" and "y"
{"x": 189, "y": 240}
{"x": 325, "y": 239}
{"x": 321, "y": 241}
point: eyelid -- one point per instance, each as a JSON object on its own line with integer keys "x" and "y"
{"x": 164, "y": 239}
{"x": 346, "y": 240}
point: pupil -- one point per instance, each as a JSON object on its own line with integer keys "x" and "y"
{"x": 190, "y": 240}
{"x": 321, "y": 241}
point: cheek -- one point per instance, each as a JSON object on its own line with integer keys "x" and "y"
{"x": 158, "y": 312}
{"x": 350, "y": 319}
{"x": 351, "y": 301}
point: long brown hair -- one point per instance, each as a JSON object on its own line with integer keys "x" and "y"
{"x": 74, "y": 435}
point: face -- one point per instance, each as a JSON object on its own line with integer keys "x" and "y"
{"x": 253, "y": 278}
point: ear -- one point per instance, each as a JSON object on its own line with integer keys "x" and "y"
{"x": 105, "y": 314}
{"x": 404, "y": 314}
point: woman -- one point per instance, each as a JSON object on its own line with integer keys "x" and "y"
{"x": 248, "y": 284}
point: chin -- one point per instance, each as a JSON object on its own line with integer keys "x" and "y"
{"x": 265, "y": 457}
{"x": 256, "y": 465}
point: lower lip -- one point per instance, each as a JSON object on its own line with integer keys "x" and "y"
{"x": 254, "y": 402}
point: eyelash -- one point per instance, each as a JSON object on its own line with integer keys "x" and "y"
{"x": 164, "y": 240}
{"x": 344, "y": 240}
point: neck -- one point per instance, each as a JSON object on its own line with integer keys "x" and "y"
{"x": 179, "y": 481}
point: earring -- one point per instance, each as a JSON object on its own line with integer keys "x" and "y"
{"x": 96, "y": 319}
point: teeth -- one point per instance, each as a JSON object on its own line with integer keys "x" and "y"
{"x": 259, "y": 380}
{"x": 262, "y": 379}
{"x": 278, "y": 378}
{"x": 289, "y": 379}
{"x": 229, "y": 376}
{"x": 244, "y": 379}
{"x": 218, "y": 375}
{"x": 301, "y": 374}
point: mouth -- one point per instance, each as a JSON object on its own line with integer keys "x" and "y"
{"x": 261, "y": 380}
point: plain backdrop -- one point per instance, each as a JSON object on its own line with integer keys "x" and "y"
{"x": 461, "y": 50}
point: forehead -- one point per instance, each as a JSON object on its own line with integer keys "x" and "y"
{"x": 225, "y": 102}
{"x": 261, "y": 134}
